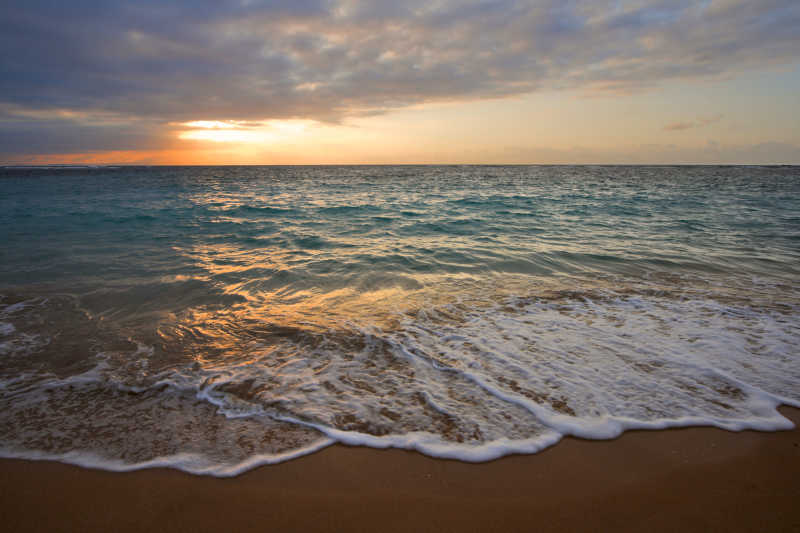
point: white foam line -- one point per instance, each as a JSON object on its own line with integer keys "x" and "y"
{"x": 609, "y": 427}
{"x": 431, "y": 445}
{"x": 186, "y": 462}
{"x": 762, "y": 403}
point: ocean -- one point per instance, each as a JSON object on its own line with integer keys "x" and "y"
{"x": 213, "y": 319}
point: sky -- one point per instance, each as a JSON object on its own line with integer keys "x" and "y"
{"x": 383, "y": 82}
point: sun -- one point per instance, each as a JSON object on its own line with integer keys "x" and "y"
{"x": 244, "y": 132}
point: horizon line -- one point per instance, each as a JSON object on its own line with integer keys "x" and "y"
{"x": 105, "y": 165}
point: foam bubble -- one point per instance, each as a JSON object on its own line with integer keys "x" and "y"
{"x": 474, "y": 379}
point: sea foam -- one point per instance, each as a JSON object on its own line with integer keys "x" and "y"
{"x": 215, "y": 319}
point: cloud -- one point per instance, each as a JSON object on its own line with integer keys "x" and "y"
{"x": 697, "y": 123}
{"x": 678, "y": 126}
{"x": 766, "y": 153}
{"x": 164, "y": 62}
{"x": 705, "y": 121}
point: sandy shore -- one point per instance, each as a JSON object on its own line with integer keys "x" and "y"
{"x": 696, "y": 479}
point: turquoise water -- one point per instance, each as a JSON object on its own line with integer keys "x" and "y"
{"x": 214, "y": 318}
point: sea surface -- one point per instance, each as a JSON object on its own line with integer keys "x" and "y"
{"x": 216, "y": 318}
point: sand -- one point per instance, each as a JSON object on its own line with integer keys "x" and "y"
{"x": 696, "y": 479}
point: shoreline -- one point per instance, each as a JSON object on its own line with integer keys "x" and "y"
{"x": 686, "y": 479}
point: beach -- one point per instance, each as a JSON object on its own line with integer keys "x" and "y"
{"x": 400, "y": 348}
{"x": 690, "y": 479}
{"x": 399, "y": 266}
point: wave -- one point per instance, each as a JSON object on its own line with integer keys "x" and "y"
{"x": 217, "y": 318}
{"x": 471, "y": 380}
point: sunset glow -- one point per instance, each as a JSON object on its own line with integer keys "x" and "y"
{"x": 364, "y": 82}
{"x": 244, "y": 132}
{"x": 347, "y": 234}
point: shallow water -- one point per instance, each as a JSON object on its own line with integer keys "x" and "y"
{"x": 216, "y": 318}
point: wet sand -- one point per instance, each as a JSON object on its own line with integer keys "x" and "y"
{"x": 696, "y": 479}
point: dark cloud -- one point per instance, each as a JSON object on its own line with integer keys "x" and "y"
{"x": 65, "y": 136}
{"x": 162, "y": 62}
